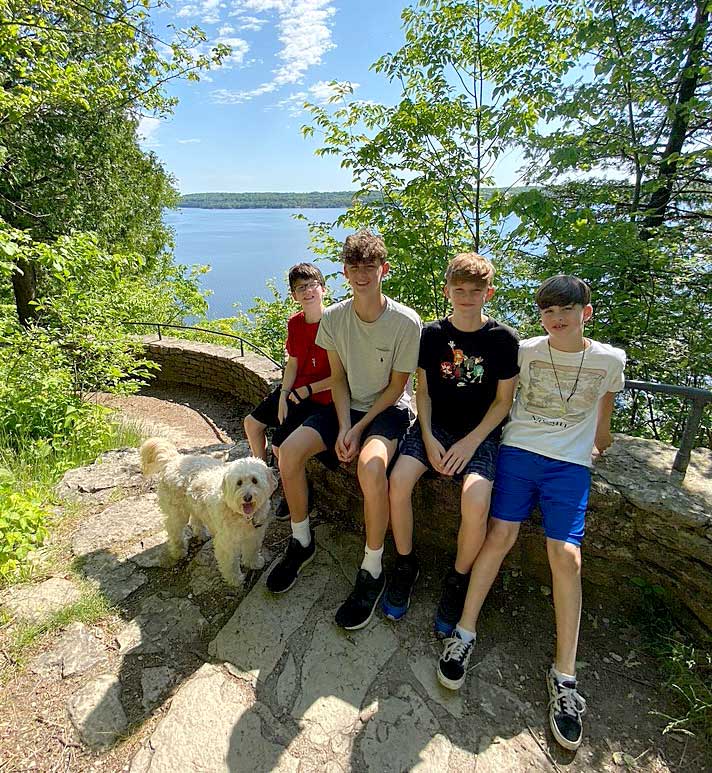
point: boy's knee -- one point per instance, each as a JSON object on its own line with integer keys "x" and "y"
{"x": 399, "y": 486}
{"x": 371, "y": 473}
{"x": 291, "y": 458}
{"x": 564, "y": 557}
{"x": 502, "y": 534}
{"x": 250, "y": 423}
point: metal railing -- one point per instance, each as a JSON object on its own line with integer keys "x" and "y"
{"x": 698, "y": 398}
{"x": 234, "y": 336}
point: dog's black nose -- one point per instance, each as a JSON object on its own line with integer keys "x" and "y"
{"x": 247, "y": 498}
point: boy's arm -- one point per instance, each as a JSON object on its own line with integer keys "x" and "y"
{"x": 460, "y": 453}
{"x": 316, "y": 386}
{"x": 288, "y": 378}
{"x": 603, "y": 438}
{"x": 433, "y": 446}
{"x": 390, "y": 396}
{"x": 342, "y": 401}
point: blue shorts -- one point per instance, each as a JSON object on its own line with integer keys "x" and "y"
{"x": 525, "y": 479}
{"x": 482, "y": 462}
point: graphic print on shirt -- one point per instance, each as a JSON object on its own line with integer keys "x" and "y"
{"x": 465, "y": 370}
{"x": 541, "y": 395}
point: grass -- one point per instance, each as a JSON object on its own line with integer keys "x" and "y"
{"x": 686, "y": 666}
{"x": 22, "y": 637}
{"x": 36, "y": 467}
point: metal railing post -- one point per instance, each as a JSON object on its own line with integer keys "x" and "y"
{"x": 687, "y": 442}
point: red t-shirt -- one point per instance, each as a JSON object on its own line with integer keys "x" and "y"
{"x": 312, "y": 360}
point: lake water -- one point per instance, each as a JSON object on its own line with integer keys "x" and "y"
{"x": 244, "y": 248}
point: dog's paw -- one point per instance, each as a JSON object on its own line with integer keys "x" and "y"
{"x": 257, "y": 562}
{"x": 235, "y": 580}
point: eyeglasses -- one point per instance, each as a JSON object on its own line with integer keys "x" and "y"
{"x": 306, "y": 287}
{"x": 355, "y": 268}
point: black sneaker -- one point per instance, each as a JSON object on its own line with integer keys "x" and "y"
{"x": 284, "y": 572}
{"x": 357, "y": 610}
{"x": 452, "y": 666}
{"x": 396, "y": 599}
{"x": 451, "y": 603}
{"x": 566, "y": 707}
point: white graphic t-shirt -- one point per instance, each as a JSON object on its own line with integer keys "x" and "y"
{"x": 541, "y": 421}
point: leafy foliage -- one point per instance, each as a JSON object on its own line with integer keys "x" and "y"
{"x": 22, "y": 528}
{"x": 608, "y": 104}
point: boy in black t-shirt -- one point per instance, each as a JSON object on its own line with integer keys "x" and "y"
{"x": 467, "y": 374}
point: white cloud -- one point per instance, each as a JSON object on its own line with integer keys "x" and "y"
{"x": 207, "y": 10}
{"x": 239, "y": 47}
{"x": 304, "y": 34}
{"x": 319, "y": 93}
{"x": 191, "y": 141}
{"x": 226, "y": 29}
{"x": 146, "y": 131}
{"x": 251, "y": 23}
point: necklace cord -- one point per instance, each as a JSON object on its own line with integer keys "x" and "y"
{"x": 565, "y": 402}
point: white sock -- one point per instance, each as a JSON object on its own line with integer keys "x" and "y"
{"x": 465, "y": 635}
{"x": 372, "y": 562}
{"x": 560, "y": 677}
{"x": 301, "y": 533}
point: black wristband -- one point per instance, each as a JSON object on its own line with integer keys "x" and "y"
{"x": 296, "y": 395}
{"x": 310, "y": 390}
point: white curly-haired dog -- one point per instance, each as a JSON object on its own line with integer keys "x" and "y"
{"x": 231, "y": 500}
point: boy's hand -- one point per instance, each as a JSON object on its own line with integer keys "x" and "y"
{"x": 342, "y": 451}
{"x": 603, "y": 440}
{"x": 459, "y": 455}
{"x": 282, "y": 408}
{"x": 352, "y": 442}
{"x": 435, "y": 451}
{"x": 302, "y": 392}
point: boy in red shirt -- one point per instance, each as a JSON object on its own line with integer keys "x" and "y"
{"x": 306, "y": 382}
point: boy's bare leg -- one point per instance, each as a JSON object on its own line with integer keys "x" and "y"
{"x": 255, "y": 431}
{"x": 501, "y": 536}
{"x": 474, "y": 506}
{"x": 373, "y": 462}
{"x": 406, "y": 473}
{"x": 294, "y": 454}
{"x": 565, "y": 563}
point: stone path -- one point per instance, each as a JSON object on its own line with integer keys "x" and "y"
{"x": 195, "y": 677}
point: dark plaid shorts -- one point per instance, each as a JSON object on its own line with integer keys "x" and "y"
{"x": 483, "y": 461}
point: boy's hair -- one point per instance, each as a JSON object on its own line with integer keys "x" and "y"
{"x": 562, "y": 290}
{"x": 469, "y": 267}
{"x": 363, "y": 246}
{"x": 304, "y": 272}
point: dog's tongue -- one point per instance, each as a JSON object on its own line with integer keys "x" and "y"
{"x": 248, "y": 508}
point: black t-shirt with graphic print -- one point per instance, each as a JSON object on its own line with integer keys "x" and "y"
{"x": 463, "y": 370}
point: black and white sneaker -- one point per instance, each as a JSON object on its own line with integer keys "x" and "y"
{"x": 284, "y": 573}
{"x": 566, "y": 707}
{"x": 452, "y": 666}
{"x": 451, "y": 603}
{"x": 357, "y": 610}
{"x": 396, "y": 599}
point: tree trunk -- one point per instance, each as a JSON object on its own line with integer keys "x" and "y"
{"x": 689, "y": 78}
{"x": 24, "y": 284}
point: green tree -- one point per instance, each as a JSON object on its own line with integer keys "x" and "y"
{"x": 76, "y": 79}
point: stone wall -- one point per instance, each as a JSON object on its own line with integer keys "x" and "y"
{"x": 249, "y": 378}
{"x": 641, "y": 522}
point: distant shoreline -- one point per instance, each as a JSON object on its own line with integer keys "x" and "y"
{"x": 280, "y": 200}
{"x": 312, "y": 200}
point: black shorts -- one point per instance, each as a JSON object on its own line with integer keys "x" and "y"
{"x": 298, "y": 413}
{"x": 390, "y": 424}
{"x": 483, "y": 461}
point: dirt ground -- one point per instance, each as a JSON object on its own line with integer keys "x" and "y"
{"x": 621, "y": 681}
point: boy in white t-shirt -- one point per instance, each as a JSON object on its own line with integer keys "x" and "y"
{"x": 562, "y": 412}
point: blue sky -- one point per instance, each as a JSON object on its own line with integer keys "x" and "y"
{"x": 239, "y": 128}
